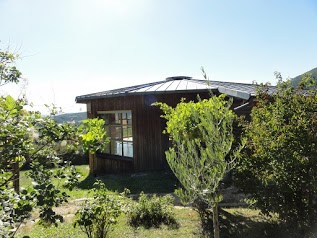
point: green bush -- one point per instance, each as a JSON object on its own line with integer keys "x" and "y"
{"x": 152, "y": 211}
{"x": 278, "y": 168}
{"x": 98, "y": 215}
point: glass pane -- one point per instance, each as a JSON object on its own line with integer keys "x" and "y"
{"x": 116, "y": 147}
{"x": 124, "y": 132}
{"x": 105, "y": 117}
{"x": 115, "y": 132}
{"x": 118, "y": 118}
{"x": 130, "y": 132}
{"x": 127, "y": 133}
{"x": 124, "y": 115}
{"x": 110, "y": 118}
{"x": 107, "y": 129}
{"x": 128, "y": 149}
{"x": 129, "y": 115}
{"x": 107, "y": 150}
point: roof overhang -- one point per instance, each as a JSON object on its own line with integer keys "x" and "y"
{"x": 87, "y": 98}
{"x": 234, "y": 93}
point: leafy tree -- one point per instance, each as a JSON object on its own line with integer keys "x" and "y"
{"x": 28, "y": 138}
{"x": 92, "y": 135}
{"x": 278, "y": 169}
{"x": 202, "y": 136}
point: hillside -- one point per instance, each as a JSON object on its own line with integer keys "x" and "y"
{"x": 77, "y": 117}
{"x": 297, "y": 79}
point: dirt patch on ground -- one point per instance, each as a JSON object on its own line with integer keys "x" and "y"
{"x": 67, "y": 210}
{"x": 71, "y": 207}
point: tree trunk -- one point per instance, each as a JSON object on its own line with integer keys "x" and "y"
{"x": 16, "y": 177}
{"x": 215, "y": 220}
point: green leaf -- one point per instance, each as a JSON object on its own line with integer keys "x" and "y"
{"x": 10, "y": 103}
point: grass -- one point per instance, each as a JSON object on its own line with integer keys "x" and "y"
{"x": 234, "y": 223}
{"x": 188, "y": 219}
{"x": 153, "y": 182}
{"x": 25, "y": 182}
{"x": 64, "y": 230}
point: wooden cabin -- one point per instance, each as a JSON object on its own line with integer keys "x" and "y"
{"x": 135, "y": 126}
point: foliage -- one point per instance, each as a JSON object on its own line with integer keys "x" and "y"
{"x": 13, "y": 208}
{"x": 8, "y": 72}
{"x": 98, "y": 215}
{"x": 29, "y": 138}
{"x": 93, "y": 135}
{"x": 47, "y": 195}
{"x": 152, "y": 211}
{"x": 202, "y": 135}
{"x": 278, "y": 168}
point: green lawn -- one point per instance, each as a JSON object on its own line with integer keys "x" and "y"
{"x": 25, "y": 182}
{"x": 188, "y": 219}
{"x": 234, "y": 223}
{"x": 152, "y": 182}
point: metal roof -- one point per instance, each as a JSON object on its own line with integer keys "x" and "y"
{"x": 178, "y": 84}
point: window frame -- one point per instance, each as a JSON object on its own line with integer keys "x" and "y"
{"x": 122, "y": 139}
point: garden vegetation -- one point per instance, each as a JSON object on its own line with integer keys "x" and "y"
{"x": 28, "y": 138}
{"x": 276, "y": 169}
{"x": 152, "y": 211}
{"x": 202, "y": 136}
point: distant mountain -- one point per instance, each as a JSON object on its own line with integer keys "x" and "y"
{"x": 297, "y": 79}
{"x": 76, "y": 117}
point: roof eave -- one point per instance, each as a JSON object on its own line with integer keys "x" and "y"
{"x": 84, "y": 99}
{"x": 234, "y": 93}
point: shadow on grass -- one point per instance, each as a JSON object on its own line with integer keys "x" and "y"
{"x": 240, "y": 226}
{"x": 148, "y": 223}
{"x": 153, "y": 182}
{"x": 236, "y": 225}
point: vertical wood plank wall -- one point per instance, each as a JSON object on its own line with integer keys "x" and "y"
{"x": 149, "y": 144}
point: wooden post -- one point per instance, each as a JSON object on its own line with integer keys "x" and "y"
{"x": 92, "y": 164}
{"x": 16, "y": 177}
{"x": 215, "y": 220}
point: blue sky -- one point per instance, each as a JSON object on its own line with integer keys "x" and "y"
{"x": 75, "y": 47}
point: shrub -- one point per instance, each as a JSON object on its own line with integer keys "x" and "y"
{"x": 278, "y": 168}
{"x": 98, "y": 215}
{"x": 152, "y": 211}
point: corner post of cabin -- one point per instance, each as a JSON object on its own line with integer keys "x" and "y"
{"x": 92, "y": 163}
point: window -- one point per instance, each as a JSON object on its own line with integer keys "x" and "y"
{"x": 118, "y": 125}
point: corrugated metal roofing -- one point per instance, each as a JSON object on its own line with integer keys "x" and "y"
{"x": 176, "y": 85}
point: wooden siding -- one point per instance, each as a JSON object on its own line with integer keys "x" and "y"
{"x": 149, "y": 143}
